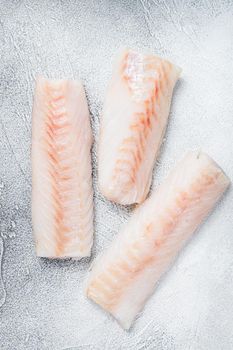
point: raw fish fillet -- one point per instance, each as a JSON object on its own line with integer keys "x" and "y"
{"x": 125, "y": 276}
{"x": 134, "y": 120}
{"x": 62, "y": 196}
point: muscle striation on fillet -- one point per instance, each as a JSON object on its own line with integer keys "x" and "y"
{"x": 124, "y": 277}
{"x": 57, "y": 129}
{"x": 134, "y": 121}
{"x": 62, "y": 185}
{"x": 107, "y": 287}
{"x": 147, "y": 80}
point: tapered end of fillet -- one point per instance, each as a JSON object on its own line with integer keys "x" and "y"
{"x": 124, "y": 322}
{"x": 203, "y": 158}
{"x": 123, "y": 313}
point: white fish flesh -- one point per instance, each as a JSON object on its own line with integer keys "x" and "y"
{"x": 124, "y": 277}
{"x": 133, "y": 124}
{"x": 62, "y": 196}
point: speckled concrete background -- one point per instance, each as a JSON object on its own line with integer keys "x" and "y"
{"x": 42, "y": 302}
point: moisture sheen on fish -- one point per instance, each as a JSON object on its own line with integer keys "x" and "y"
{"x": 62, "y": 195}
{"x": 133, "y": 124}
{"x": 124, "y": 277}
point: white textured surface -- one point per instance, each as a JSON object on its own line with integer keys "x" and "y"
{"x": 42, "y": 302}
